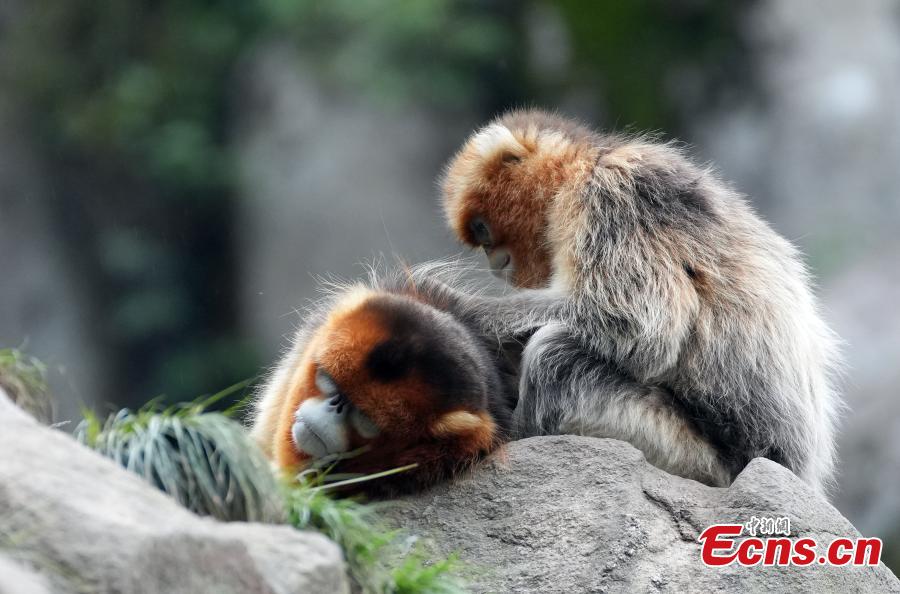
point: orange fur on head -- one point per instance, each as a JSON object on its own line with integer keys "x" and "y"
{"x": 415, "y": 426}
{"x": 301, "y": 387}
{"x": 510, "y": 173}
{"x": 340, "y": 334}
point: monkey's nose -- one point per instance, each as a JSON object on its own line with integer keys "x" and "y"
{"x": 319, "y": 428}
{"x": 500, "y": 261}
{"x": 307, "y": 441}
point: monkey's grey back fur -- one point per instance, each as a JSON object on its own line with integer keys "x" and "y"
{"x": 683, "y": 323}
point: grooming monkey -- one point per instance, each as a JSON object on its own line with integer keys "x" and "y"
{"x": 658, "y": 308}
{"x": 387, "y": 369}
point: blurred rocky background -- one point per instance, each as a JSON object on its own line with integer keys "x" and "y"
{"x": 174, "y": 174}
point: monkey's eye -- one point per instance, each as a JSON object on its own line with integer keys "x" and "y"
{"x": 336, "y": 399}
{"x": 326, "y": 384}
{"x": 480, "y": 231}
{"x": 363, "y": 424}
{"x": 510, "y": 158}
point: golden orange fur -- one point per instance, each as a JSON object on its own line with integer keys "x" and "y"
{"x": 414, "y": 429}
{"x": 525, "y": 185}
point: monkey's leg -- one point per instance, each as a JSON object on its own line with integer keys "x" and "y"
{"x": 563, "y": 389}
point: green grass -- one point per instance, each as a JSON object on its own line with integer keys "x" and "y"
{"x": 381, "y": 560}
{"x": 24, "y": 380}
{"x": 205, "y": 461}
{"x": 208, "y": 463}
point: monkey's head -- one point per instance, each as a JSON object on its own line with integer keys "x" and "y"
{"x": 397, "y": 376}
{"x": 498, "y": 190}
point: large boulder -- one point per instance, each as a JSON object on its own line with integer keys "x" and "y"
{"x": 86, "y": 525}
{"x": 576, "y": 514}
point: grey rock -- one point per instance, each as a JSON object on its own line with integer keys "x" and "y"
{"x": 576, "y": 514}
{"x": 89, "y": 526}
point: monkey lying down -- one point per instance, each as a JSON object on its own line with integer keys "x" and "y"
{"x": 397, "y": 373}
{"x": 652, "y": 305}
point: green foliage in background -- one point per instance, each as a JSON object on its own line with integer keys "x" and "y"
{"x": 136, "y": 83}
{"x": 144, "y": 85}
{"x": 133, "y": 101}
{"x": 442, "y": 53}
{"x": 23, "y": 378}
{"x": 656, "y": 60}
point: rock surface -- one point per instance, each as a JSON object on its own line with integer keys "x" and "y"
{"x": 86, "y": 525}
{"x": 574, "y": 514}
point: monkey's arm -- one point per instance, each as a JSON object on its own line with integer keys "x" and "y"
{"x": 514, "y": 315}
{"x": 640, "y": 325}
{"x": 563, "y": 390}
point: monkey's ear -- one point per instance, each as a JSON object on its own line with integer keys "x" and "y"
{"x": 459, "y": 440}
{"x": 453, "y": 441}
{"x": 476, "y": 430}
{"x": 496, "y": 139}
